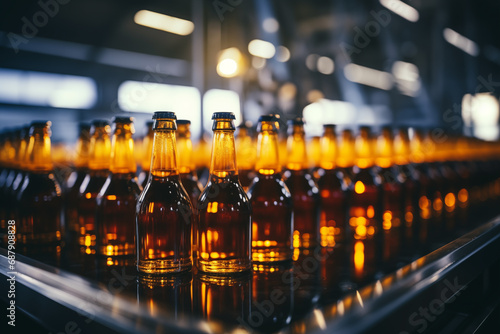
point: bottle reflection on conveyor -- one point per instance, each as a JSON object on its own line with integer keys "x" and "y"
{"x": 303, "y": 188}
{"x": 39, "y": 229}
{"x": 272, "y": 297}
{"x": 166, "y": 293}
{"x": 116, "y": 201}
{"x": 335, "y": 276}
{"x": 305, "y": 278}
{"x": 218, "y": 299}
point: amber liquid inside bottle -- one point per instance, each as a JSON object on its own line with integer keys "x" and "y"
{"x": 187, "y": 169}
{"x": 99, "y": 159}
{"x": 223, "y": 234}
{"x": 116, "y": 202}
{"x": 245, "y": 154}
{"x": 272, "y": 218}
{"x": 40, "y": 200}
{"x": 164, "y": 215}
{"x": 304, "y": 191}
{"x": 147, "y": 149}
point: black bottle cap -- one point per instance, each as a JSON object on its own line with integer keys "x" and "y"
{"x": 100, "y": 122}
{"x": 164, "y": 114}
{"x": 223, "y": 115}
{"x": 268, "y": 118}
{"x": 296, "y": 121}
{"x": 123, "y": 120}
{"x": 183, "y": 122}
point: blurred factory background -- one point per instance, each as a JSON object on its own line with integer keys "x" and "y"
{"x": 429, "y": 63}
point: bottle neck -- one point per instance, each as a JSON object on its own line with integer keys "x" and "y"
{"x": 82, "y": 151}
{"x": 385, "y": 151}
{"x": 245, "y": 150}
{"x": 22, "y": 153}
{"x": 401, "y": 149}
{"x": 163, "y": 161}
{"x": 296, "y": 147}
{"x": 346, "y": 151}
{"x": 122, "y": 150}
{"x": 328, "y": 149}
{"x": 364, "y": 151}
{"x": 39, "y": 151}
{"x": 185, "y": 149}
{"x": 268, "y": 162}
{"x": 147, "y": 147}
{"x": 223, "y": 162}
{"x": 100, "y": 149}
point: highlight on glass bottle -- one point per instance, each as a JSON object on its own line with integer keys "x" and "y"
{"x": 164, "y": 212}
{"x": 303, "y": 188}
{"x": 116, "y": 201}
{"x": 223, "y": 233}
{"x": 272, "y": 218}
{"x": 39, "y": 199}
{"x": 98, "y": 170}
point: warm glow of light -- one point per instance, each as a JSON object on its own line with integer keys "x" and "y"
{"x": 368, "y": 76}
{"x": 463, "y": 195}
{"x": 423, "y": 202}
{"x": 164, "y": 22}
{"x": 87, "y": 240}
{"x": 461, "y": 42}
{"x": 260, "y": 48}
{"x": 359, "y": 187}
{"x": 359, "y": 256}
{"x": 438, "y": 204}
{"x": 88, "y": 195}
{"x": 409, "y": 217}
{"x": 212, "y": 207}
{"x": 449, "y": 200}
{"x": 370, "y": 212}
{"x": 230, "y": 62}
{"x": 109, "y": 250}
{"x": 111, "y": 198}
{"x": 402, "y": 9}
{"x": 361, "y": 230}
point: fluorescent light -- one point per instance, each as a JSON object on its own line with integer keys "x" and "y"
{"x": 402, "y": 9}
{"x": 230, "y": 63}
{"x": 270, "y": 25}
{"x": 283, "y": 54}
{"x": 461, "y": 42}
{"x": 325, "y": 65}
{"x": 260, "y": 48}
{"x": 368, "y": 76}
{"x": 311, "y": 61}
{"x": 407, "y": 77}
{"x": 47, "y": 89}
{"x": 164, "y": 22}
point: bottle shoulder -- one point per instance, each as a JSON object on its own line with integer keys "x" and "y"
{"x": 228, "y": 191}
{"x": 165, "y": 190}
{"x": 40, "y": 184}
{"x": 124, "y": 185}
{"x": 268, "y": 186}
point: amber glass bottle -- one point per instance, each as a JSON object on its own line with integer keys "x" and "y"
{"x": 99, "y": 158}
{"x": 272, "y": 218}
{"x": 40, "y": 201}
{"x": 147, "y": 149}
{"x": 164, "y": 212}
{"x": 245, "y": 155}
{"x": 116, "y": 201}
{"x": 187, "y": 169}
{"x": 301, "y": 184}
{"x": 332, "y": 189}
{"x": 15, "y": 168}
{"x": 223, "y": 235}
{"x": 392, "y": 194}
{"x": 346, "y": 155}
{"x": 364, "y": 209}
{"x": 75, "y": 179}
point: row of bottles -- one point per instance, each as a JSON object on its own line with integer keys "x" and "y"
{"x": 374, "y": 194}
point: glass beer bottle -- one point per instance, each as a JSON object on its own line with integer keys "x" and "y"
{"x": 75, "y": 179}
{"x": 187, "y": 169}
{"x": 223, "y": 235}
{"x": 147, "y": 149}
{"x": 332, "y": 190}
{"x": 116, "y": 201}
{"x": 99, "y": 158}
{"x": 164, "y": 212}
{"x": 301, "y": 184}
{"x": 245, "y": 154}
{"x": 272, "y": 218}
{"x": 40, "y": 201}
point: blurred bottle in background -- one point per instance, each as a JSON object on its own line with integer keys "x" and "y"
{"x": 146, "y": 151}
{"x": 245, "y": 155}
